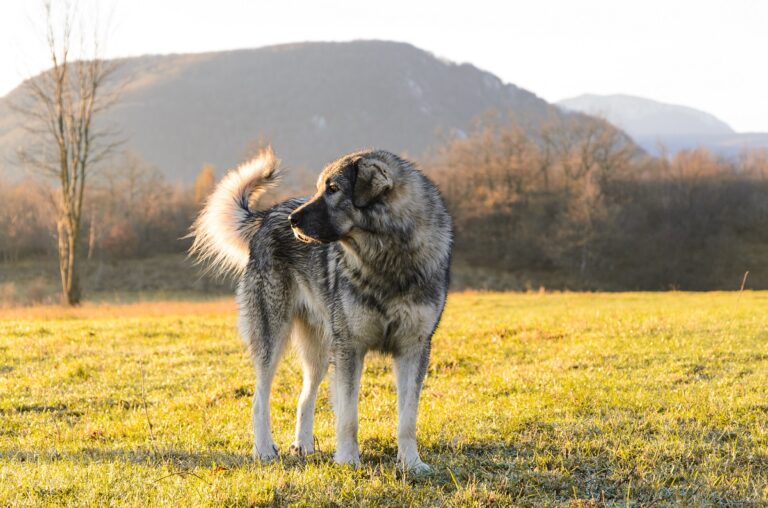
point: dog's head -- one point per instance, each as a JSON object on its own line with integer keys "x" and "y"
{"x": 345, "y": 190}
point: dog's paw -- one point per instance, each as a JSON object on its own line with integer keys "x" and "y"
{"x": 301, "y": 450}
{"x": 414, "y": 465}
{"x": 352, "y": 459}
{"x": 418, "y": 467}
{"x": 265, "y": 454}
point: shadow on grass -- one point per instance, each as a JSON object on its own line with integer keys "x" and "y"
{"x": 375, "y": 454}
{"x": 487, "y": 469}
{"x": 160, "y": 457}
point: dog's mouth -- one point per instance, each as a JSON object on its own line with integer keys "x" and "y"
{"x": 300, "y": 236}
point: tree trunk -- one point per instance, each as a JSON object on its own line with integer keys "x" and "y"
{"x": 68, "y": 267}
{"x": 91, "y": 236}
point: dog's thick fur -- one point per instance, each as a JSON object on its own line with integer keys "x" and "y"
{"x": 362, "y": 265}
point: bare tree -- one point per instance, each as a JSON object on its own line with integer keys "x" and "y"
{"x": 60, "y": 106}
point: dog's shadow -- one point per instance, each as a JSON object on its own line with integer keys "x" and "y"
{"x": 178, "y": 458}
{"x": 483, "y": 461}
{"x": 375, "y": 453}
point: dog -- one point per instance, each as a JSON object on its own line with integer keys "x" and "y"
{"x": 362, "y": 265}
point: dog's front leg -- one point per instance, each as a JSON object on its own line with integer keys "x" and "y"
{"x": 348, "y": 369}
{"x": 410, "y": 369}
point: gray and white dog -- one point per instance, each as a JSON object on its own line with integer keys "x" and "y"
{"x": 362, "y": 265}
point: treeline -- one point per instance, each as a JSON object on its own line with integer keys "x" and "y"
{"x": 130, "y": 211}
{"x": 574, "y": 204}
{"x": 569, "y": 203}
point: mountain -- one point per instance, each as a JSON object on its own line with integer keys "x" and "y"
{"x": 645, "y": 118}
{"x": 652, "y": 123}
{"x": 313, "y": 101}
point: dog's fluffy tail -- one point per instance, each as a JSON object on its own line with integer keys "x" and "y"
{"x": 226, "y": 224}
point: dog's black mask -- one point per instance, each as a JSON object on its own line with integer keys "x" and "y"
{"x": 312, "y": 222}
{"x": 345, "y": 191}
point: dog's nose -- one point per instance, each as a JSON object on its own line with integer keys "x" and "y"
{"x": 292, "y": 220}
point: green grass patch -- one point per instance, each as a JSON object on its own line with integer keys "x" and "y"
{"x": 538, "y": 399}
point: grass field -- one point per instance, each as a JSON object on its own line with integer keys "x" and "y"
{"x": 531, "y": 399}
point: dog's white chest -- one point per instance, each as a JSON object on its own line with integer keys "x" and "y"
{"x": 403, "y": 326}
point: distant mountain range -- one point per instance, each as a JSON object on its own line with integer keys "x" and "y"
{"x": 652, "y": 124}
{"x": 313, "y": 101}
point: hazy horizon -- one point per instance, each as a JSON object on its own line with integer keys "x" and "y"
{"x": 698, "y": 54}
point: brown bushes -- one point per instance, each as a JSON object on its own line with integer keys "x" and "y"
{"x": 570, "y": 204}
{"x": 576, "y": 202}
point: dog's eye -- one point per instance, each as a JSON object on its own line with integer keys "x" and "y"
{"x": 332, "y": 187}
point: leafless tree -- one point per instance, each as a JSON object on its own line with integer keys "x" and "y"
{"x": 60, "y": 106}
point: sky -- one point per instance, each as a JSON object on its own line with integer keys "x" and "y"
{"x": 707, "y": 54}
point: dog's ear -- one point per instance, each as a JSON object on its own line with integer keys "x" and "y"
{"x": 373, "y": 179}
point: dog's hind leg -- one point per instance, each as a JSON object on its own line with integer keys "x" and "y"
{"x": 410, "y": 369}
{"x": 265, "y": 324}
{"x": 314, "y": 358}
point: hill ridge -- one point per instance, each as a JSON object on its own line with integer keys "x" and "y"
{"x": 312, "y": 100}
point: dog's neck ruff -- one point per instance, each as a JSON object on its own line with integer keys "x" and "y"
{"x": 405, "y": 241}
{"x": 395, "y": 259}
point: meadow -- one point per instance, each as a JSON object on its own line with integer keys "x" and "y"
{"x": 575, "y": 399}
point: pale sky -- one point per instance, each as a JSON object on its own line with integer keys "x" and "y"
{"x": 707, "y": 54}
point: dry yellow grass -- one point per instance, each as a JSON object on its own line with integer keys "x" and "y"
{"x": 640, "y": 399}
{"x": 115, "y": 310}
